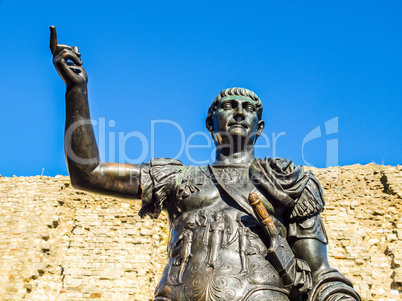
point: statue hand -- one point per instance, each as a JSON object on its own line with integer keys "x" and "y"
{"x": 67, "y": 61}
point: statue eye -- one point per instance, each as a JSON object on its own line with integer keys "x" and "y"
{"x": 250, "y": 108}
{"x": 227, "y": 106}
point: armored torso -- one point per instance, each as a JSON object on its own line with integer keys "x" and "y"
{"x": 217, "y": 249}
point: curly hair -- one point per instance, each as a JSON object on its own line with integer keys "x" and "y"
{"x": 236, "y": 92}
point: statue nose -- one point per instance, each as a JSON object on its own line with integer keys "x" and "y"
{"x": 240, "y": 110}
{"x": 239, "y": 113}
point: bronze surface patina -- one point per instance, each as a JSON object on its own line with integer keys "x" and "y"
{"x": 242, "y": 228}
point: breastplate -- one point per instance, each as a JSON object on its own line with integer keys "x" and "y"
{"x": 217, "y": 252}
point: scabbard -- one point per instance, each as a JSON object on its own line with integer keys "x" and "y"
{"x": 279, "y": 251}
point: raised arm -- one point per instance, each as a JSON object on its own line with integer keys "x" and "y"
{"x": 82, "y": 155}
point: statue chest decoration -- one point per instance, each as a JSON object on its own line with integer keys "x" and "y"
{"x": 215, "y": 249}
{"x": 216, "y": 255}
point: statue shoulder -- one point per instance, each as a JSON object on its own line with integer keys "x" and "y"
{"x": 280, "y": 165}
{"x": 295, "y": 187}
{"x": 311, "y": 201}
{"x": 159, "y": 179}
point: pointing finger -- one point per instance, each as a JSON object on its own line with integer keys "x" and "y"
{"x": 53, "y": 39}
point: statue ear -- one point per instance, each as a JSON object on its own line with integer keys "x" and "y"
{"x": 260, "y": 129}
{"x": 209, "y": 123}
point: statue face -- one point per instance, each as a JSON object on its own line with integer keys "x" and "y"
{"x": 236, "y": 117}
{"x": 218, "y": 215}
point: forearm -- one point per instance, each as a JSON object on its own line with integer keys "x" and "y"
{"x": 80, "y": 146}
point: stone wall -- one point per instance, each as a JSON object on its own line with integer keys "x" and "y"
{"x": 57, "y": 243}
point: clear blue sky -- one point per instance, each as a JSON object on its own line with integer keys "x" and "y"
{"x": 309, "y": 61}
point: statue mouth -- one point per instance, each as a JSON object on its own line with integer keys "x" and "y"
{"x": 238, "y": 124}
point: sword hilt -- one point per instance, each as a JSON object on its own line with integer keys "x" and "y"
{"x": 280, "y": 252}
{"x": 262, "y": 214}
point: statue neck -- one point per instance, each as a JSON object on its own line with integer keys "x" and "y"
{"x": 224, "y": 156}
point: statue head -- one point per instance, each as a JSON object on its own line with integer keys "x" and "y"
{"x": 217, "y": 215}
{"x": 235, "y": 92}
{"x": 236, "y": 112}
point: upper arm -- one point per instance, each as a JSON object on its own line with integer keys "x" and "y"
{"x": 313, "y": 251}
{"x": 116, "y": 179}
{"x": 306, "y": 231}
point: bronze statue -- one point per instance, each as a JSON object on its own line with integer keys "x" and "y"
{"x": 240, "y": 229}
